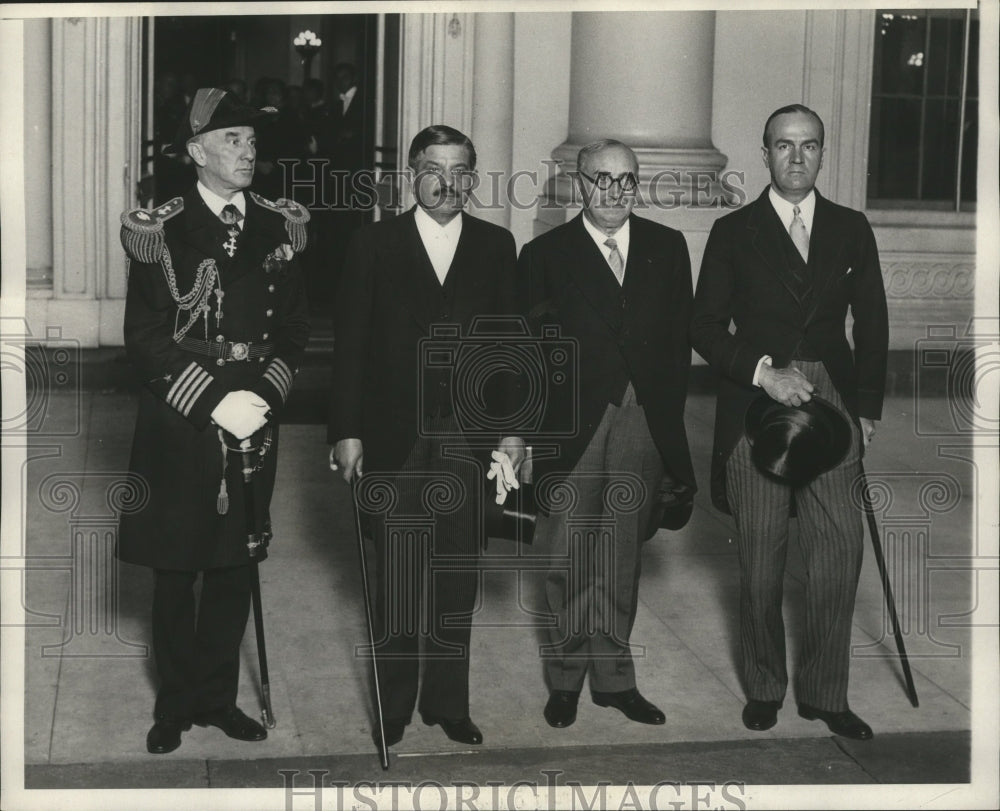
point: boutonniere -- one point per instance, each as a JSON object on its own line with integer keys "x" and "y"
{"x": 278, "y": 258}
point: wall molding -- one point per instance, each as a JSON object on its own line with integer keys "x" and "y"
{"x": 916, "y": 276}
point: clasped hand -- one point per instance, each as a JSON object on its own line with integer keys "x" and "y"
{"x": 241, "y": 413}
{"x": 788, "y": 386}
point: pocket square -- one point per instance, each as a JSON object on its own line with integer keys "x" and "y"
{"x": 849, "y": 271}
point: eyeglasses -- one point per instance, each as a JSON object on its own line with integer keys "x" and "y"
{"x": 626, "y": 182}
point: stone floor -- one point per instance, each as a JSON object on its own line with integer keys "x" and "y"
{"x": 89, "y": 677}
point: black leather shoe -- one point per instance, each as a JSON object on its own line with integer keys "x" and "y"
{"x": 461, "y": 730}
{"x": 760, "y": 715}
{"x": 632, "y": 704}
{"x": 165, "y": 735}
{"x": 840, "y": 723}
{"x": 394, "y": 729}
{"x": 234, "y": 722}
{"x": 560, "y": 710}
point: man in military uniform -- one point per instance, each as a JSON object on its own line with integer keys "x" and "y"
{"x": 215, "y": 323}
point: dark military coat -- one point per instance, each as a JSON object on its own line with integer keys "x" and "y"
{"x": 178, "y": 268}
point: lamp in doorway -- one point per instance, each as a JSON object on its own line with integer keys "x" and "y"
{"x": 307, "y": 44}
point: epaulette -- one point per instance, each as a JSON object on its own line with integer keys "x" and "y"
{"x": 296, "y": 216}
{"x": 142, "y": 231}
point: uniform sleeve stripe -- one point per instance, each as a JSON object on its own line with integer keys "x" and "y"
{"x": 197, "y": 386}
{"x": 279, "y": 375}
{"x": 182, "y": 382}
{"x": 182, "y": 396}
{"x": 279, "y": 385}
{"x": 189, "y": 386}
{"x": 198, "y": 392}
{"x": 279, "y": 369}
{"x": 279, "y": 365}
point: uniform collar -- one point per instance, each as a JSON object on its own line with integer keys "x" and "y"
{"x": 216, "y": 203}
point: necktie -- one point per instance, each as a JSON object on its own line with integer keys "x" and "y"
{"x": 799, "y": 234}
{"x": 615, "y": 259}
{"x": 230, "y": 215}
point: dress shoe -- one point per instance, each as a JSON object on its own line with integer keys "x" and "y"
{"x": 560, "y": 710}
{"x": 165, "y": 735}
{"x": 234, "y": 722}
{"x": 844, "y": 723}
{"x": 394, "y": 729}
{"x": 461, "y": 729}
{"x": 632, "y": 704}
{"x": 760, "y": 715}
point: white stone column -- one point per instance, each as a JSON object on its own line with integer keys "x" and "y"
{"x": 436, "y": 76}
{"x": 493, "y": 113}
{"x": 38, "y": 154}
{"x": 645, "y": 78}
{"x": 96, "y": 81}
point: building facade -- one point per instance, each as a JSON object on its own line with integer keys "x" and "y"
{"x": 689, "y": 90}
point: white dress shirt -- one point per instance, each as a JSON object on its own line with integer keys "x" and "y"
{"x": 807, "y": 208}
{"x": 346, "y": 98}
{"x": 440, "y": 241}
{"x": 621, "y": 236}
{"x": 216, "y": 203}
{"x": 785, "y": 212}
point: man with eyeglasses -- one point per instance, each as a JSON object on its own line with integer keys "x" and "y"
{"x": 619, "y": 287}
{"x": 430, "y": 271}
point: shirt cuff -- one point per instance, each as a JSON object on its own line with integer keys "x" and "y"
{"x": 766, "y": 359}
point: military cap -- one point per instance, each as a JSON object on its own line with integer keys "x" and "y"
{"x": 213, "y": 109}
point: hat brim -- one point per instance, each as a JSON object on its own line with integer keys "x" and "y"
{"x": 243, "y": 116}
{"x": 794, "y": 444}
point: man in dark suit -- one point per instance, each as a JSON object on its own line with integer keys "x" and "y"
{"x": 393, "y": 417}
{"x": 215, "y": 323}
{"x": 619, "y": 287}
{"x": 785, "y": 269}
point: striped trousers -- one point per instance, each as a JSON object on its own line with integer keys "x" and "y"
{"x": 831, "y": 538}
{"x": 594, "y": 544}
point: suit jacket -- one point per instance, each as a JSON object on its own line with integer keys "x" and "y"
{"x": 176, "y": 448}
{"x": 746, "y": 278}
{"x": 635, "y": 332}
{"x": 389, "y": 369}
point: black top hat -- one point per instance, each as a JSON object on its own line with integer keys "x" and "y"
{"x": 794, "y": 445}
{"x": 515, "y": 519}
{"x": 213, "y": 109}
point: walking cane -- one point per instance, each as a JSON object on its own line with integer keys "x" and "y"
{"x": 256, "y": 544}
{"x": 911, "y": 690}
{"x": 383, "y": 748}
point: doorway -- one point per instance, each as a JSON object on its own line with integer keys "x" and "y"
{"x": 334, "y": 79}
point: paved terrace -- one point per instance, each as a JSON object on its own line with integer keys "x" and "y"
{"x": 89, "y": 677}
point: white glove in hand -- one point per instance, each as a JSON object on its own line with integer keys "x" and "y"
{"x": 241, "y": 413}
{"x": 503, "y": 472}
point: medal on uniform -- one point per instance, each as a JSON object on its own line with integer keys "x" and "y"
{"x": 230, "y": 244}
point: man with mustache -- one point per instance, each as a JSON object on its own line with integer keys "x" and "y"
{"x": 619, "y": 287}
{"x": 215, "y": 322}
{"x": 393, "y": 415}
{"x": 785, "y": 270}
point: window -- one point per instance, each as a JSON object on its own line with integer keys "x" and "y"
{"x": 925, "y": 109}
